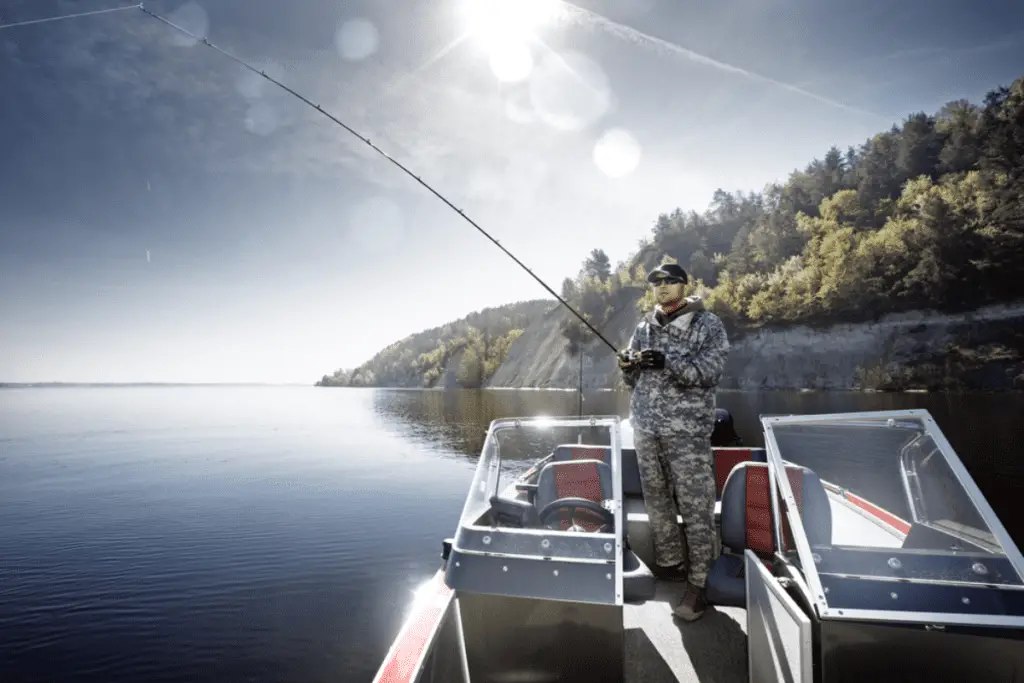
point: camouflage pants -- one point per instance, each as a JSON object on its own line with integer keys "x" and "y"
{"x": 680, "y": 465}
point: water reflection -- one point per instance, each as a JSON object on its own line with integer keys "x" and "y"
{"x": 457, "y": 420}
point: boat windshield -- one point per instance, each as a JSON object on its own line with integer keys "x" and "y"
{"x": 546, "y": 487}
{"x": 884, "y": 498}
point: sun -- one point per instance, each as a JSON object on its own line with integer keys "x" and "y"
{"x": 505, "y": 29}
{"x": 502, "y": 21}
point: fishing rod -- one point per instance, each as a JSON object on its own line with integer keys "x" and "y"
{"x": 333, "y": 118}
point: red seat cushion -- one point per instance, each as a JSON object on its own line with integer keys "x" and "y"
{"x": 725, "y": 460}
{"x": 760, "y": 530}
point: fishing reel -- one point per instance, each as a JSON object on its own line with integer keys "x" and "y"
{"x": 629, "y": 357}
{"x": 651, "y": 359}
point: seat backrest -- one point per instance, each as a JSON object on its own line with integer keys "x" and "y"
{"x": 747, "y": 509}
{"x": 590, "y": 479}
{"x": 571, "y": 451}
{"x": 727, "y": 458}
{"x": 631, "y": 485}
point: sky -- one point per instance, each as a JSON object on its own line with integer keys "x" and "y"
{"x": 168, "y": 216}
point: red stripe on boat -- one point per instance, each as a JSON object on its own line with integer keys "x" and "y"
{"x": 407, "y": 651}
{"x": 887, "y": 517}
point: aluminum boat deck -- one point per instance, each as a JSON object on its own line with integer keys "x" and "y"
{"x": 660, "y": 649}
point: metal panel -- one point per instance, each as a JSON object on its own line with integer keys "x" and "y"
{"x": 444, "y": 662}
{"x": 538, "y": 543}
{"x": 524, "y": 639}
{"x": 854, "y": 652}
{"x": 618, "y": 509}
{"x": 779, "y": 633}
{"x": 576, "y": 581}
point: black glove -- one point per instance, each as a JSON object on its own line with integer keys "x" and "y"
{"x": 651, "y": 359}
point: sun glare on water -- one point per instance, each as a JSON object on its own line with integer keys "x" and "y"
{"x": 505, "y": 29}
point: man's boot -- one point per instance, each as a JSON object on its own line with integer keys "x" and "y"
{"x": 692, "y": 606}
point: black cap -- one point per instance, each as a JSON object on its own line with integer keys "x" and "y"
{"x": 668, "y": 271}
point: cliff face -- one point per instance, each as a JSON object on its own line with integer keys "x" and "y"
{"x": 540, "y": 357}
{"x": 983, "y": 349}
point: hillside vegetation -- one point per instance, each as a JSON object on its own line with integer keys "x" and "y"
{"x": 926, "y": 215}
{"x": 471, "y": 349}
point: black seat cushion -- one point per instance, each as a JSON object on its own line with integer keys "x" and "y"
{"x": 726, "y": 584}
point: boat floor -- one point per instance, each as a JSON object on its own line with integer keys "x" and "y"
{"x": 662, "y": 649}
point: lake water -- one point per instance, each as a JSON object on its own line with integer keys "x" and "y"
{"x": 276, "y": 534}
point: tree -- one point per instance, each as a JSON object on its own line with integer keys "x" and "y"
{"x": 570, "y": 292}
{"x": 470, "y": 371}
{"x": 958, "y": 123}
{"x": 598, "y": 265}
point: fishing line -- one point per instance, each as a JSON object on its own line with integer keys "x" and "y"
{"x": 437, "y": 194}
{"x": 333, "y": 118}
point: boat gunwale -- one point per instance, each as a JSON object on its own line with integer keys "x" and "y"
{"x": 423, "y": 607}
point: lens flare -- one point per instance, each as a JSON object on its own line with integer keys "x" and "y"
{"x": 501, "y": 20}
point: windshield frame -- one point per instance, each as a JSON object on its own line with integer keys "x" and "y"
{"x": 780, "y": 487}
{"x": 590, "y": 547}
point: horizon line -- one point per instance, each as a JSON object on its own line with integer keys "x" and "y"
{"x": 165, "y": 384}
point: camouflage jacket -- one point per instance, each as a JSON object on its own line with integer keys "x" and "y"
{"x": 679, "y": 399}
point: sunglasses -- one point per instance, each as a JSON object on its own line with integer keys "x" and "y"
{"x": 666, "y": 281}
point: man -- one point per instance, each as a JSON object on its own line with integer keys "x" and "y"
{"x": 673, "y": 365}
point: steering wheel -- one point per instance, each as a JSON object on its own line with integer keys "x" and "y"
{"x": 562, "y": 505}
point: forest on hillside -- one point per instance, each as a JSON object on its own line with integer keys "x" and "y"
{"x": 479, "y": 341}
{"x": 926, "y": 215}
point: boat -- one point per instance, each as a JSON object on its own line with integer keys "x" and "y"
{"x": 852, "y": 547}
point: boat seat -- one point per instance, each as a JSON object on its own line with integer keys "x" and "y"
{"x": 572, "y": 451}
{"x": 727, "y": 458}
{"x": 589, "y": 479}
{"x": 747, "y": 523}
{"x": 630, "y": 471}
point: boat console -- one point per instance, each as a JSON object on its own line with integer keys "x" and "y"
{"x": 539, "y": 560}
